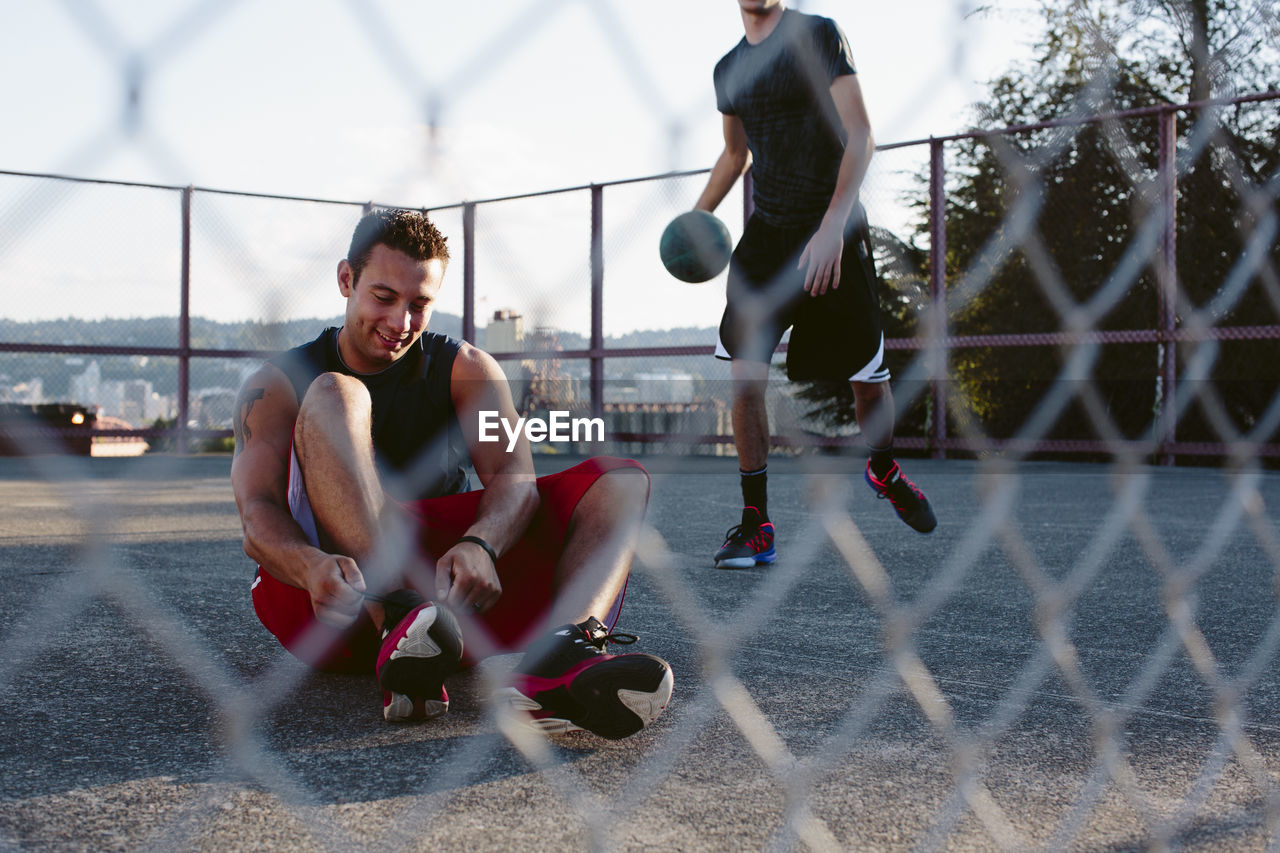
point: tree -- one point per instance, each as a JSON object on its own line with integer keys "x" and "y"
{"x": 1038, "y": 222}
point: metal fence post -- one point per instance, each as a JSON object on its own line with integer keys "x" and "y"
{"x": 1167, "y": 280}
{"x": 184, "y": 326}
{"x": 936, "y": 319}
{"x": 597, "y": 301}
{"x": 469, "y": 272}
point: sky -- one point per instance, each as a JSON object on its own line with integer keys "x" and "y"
{"x": 420, "y": 103}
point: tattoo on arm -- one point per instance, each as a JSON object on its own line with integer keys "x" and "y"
{"x": 245, "y": 404}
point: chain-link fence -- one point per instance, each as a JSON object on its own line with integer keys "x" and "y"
{"x": 1081, "y": 657}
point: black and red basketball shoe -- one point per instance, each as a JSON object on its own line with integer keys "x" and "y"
{"x": 421, "y": 647}
{"x": 748, "y": 543}
{"x": 567, "y": 682}
{"x": 907, "y": 499}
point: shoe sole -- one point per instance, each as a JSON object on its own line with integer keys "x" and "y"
{"x": 924, "y": 524}
{"x": 423, "y": 658}
{"x": 744, "y": 562}
{"x": 399, "y": 708}
{"x": 613, "y": 699}
{"x": 747, "y": 562}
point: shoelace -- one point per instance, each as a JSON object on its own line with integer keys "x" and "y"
{"x": 617, "y": 637}
{"x": 893, "y": 477}
{"x": 906, "y": 484}
{"x": 742, "y": 530}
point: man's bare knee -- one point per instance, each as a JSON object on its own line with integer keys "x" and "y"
{"x": 334, "y": 393}
{"x": 750, "y": 391}
{"x": 749, "y": 377}
{"x": 335, "y": 386}
{"x": 616, "y": 491}
{"x": 333, "y": 400}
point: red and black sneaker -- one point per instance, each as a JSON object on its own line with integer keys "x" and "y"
{"x": 907, "y": 499}
{"x": 421, "y": 647}
{"x": 748, "y": 543}
{"x": 566, "y": 682}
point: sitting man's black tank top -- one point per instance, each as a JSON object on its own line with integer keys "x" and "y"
{"x": 417, "y": 440}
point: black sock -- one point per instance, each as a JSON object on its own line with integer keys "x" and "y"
{"x": 755, "y": 490}
{"x": 881, "y": 460}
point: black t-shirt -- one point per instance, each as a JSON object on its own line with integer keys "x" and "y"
{"x": 781, "y": 90}
{"x": 417, "y": 440}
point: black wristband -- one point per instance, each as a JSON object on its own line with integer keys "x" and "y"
{"x": 488, "y": 549}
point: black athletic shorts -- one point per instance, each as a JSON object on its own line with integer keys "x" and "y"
{"x": 833, "y": 336}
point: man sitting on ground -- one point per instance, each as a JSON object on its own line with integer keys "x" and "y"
{"x": 350, "y": 477}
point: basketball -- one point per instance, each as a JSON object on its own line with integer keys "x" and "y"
{"x": 695, "y": 247}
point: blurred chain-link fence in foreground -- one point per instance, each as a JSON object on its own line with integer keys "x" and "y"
{"x": 1101, "y": 287}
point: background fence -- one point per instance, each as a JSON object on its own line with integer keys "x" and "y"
{"x": 1131, "y": 317}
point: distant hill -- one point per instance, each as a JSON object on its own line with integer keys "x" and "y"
{"x": 252, "y": 335}
{"x": 163, "y": 332}
{"x": 55, "y": 371}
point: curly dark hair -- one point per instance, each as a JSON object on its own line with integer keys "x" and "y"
{"x": 408, "y": 231}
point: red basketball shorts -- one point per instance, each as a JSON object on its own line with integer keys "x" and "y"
{"x": 526, "y": 572}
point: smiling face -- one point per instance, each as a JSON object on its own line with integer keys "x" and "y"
{"x": 388, "y": 306}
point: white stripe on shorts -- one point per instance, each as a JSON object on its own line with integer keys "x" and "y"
{"x": 874, "y": 370}
{"x": 299, "y": 506}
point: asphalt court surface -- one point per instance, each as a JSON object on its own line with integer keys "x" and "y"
{"x": 1079, "y": 657}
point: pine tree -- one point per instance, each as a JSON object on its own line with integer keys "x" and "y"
{"x": 1061, "y": 209}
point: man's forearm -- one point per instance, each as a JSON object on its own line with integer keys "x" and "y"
{"x": 274, "y": 540}
{"x": 726, "y": 171}
{"x": 853, "y": 168}
{"x": 505, "y": 510}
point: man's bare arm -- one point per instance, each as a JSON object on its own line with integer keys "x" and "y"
{"x": 821, "y": 256}
{"x": 858, "y": 150}
{"x": 729, "y": 166}
{"x": 510, "y": 495}
{"x": 265, "y": 413}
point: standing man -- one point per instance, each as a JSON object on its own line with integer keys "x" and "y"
{"x": 793, "y": 111}
{"x": 349, "y": 474}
